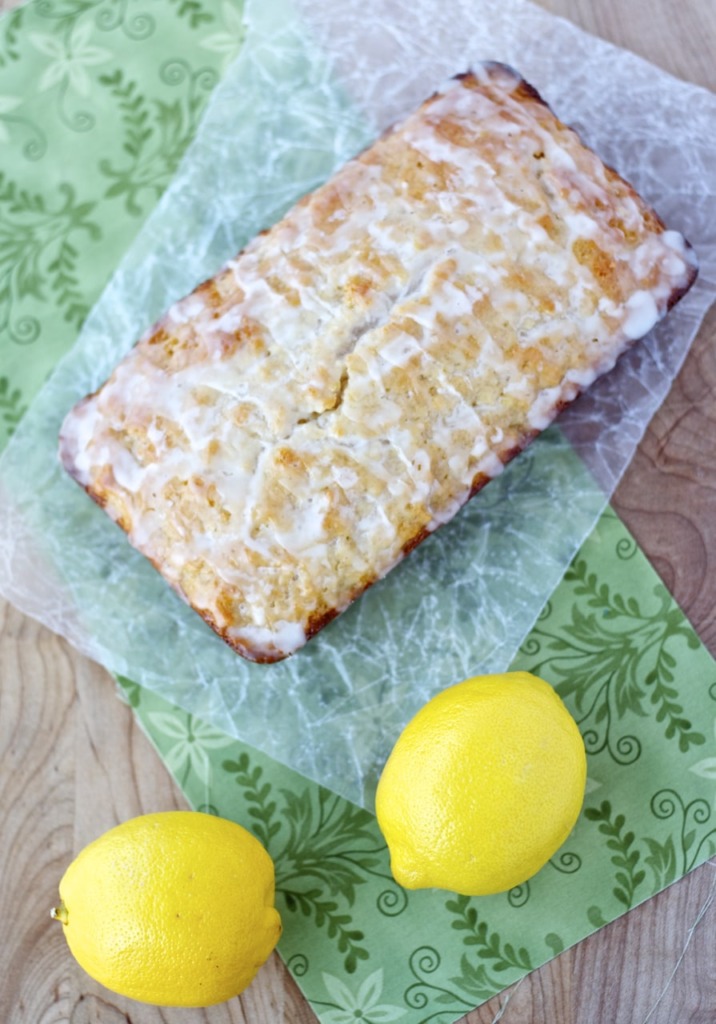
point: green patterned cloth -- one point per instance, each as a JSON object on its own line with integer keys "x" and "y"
{"x": 120, "y": 86}
{"x": 643, "y": 690}
{"x": 98, "y": 101}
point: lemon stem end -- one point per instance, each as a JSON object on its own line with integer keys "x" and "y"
{"x": 59, "y": 913}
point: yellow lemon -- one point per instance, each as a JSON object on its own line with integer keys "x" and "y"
{"x": 174, "y": 908}
{"x": 483, "y": 786}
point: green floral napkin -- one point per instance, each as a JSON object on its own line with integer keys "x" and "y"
{"x": 643, "y": 690}
{"x": 98, "y": 101}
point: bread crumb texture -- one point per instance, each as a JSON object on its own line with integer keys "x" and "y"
{"x": 287, "y": 432}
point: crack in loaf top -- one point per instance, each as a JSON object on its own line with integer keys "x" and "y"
{"x": 291, "y": 429}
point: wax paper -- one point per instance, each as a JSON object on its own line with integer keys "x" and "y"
{"x": 308, "y": 89}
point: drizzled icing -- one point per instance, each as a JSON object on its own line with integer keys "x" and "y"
{"x": 341, "y": 387}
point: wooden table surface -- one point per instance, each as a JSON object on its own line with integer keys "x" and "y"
{"x": 73, "y": 763}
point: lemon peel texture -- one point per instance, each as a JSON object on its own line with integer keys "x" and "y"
{"x": 483, "y": 786}
{"x": 174, "y": 908}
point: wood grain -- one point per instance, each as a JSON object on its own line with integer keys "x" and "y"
{"x": 668, "y": 497}
{"x": 73, "y": 761}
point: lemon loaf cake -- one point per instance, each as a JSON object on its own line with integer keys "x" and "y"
{"x": 288, "y": 432}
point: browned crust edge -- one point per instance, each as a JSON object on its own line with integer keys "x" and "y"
{"x": 319, "y": 619}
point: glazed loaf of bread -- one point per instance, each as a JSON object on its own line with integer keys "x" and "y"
{"x": 295, "y": 426}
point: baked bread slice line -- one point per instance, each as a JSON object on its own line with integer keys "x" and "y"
{"x": 300, "y": 422}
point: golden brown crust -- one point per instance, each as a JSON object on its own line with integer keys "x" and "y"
{"x": 305, "y": 418}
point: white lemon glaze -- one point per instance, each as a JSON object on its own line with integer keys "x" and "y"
{"x": 343, "y": 385}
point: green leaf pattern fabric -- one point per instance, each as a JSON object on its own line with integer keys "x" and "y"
{"x": 643, "y": 690}
{"x": 121, "y": 85}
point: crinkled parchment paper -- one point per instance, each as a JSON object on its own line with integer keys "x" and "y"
{"x": 314, "y": 84}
